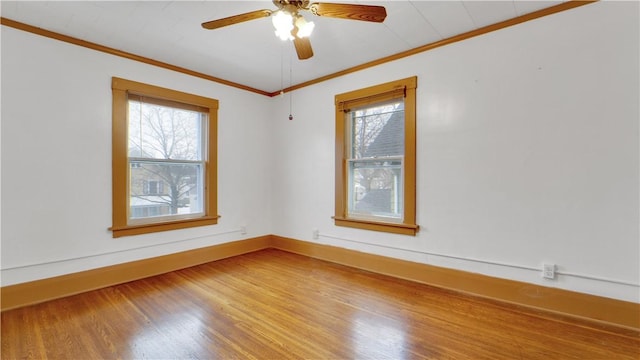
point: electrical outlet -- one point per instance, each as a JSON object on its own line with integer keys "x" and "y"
{"x": 549, "y": 271}
{"x": 316, "y": 234}
{"x": 243, "y": 230}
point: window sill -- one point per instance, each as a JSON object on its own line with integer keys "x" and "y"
{"x": 395, "y": 228}
{"x": 163, "y": 226}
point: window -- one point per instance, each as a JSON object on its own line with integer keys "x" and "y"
{"x": 153, "y": 187}
{"x": 164, "y": 159}
{"x": 376, "y": 158}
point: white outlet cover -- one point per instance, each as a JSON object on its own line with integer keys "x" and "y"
{"x": 548, "y": 271}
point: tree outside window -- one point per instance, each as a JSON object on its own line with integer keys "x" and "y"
{"x": 165, "y": 144}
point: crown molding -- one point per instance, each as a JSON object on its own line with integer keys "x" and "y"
{"x": 470, "y": 34}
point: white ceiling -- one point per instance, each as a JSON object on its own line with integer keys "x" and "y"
{"x": 249, "y": 53}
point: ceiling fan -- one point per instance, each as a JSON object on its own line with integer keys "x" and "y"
{"x": 290, "y": 25}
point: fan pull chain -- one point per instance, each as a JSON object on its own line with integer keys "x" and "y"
{"x": 290, "y": 92}
{"x": 282, "y": 70}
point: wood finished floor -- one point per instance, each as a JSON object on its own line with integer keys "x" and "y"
{"x": 276, "y": 305}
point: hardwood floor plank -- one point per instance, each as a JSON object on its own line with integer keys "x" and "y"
{"x": 272, "y": 304}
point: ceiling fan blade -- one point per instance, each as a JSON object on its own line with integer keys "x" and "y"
{"x": 303, "y": 47}
{"x": 350, "y": 11}
{"x": 253, "y": 15}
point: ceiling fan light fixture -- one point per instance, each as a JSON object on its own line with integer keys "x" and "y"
{"x": 283, "y": 22}
{"x": 305, "y": 28}
{"x": 290, "y": 25}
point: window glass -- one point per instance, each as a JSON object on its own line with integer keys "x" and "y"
{"x": 166, "y": 156}
{"x": 375, "y": 182}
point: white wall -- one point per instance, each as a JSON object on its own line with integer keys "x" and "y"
{"x": 527, "y": 153}
{"x": 56, "y": 160}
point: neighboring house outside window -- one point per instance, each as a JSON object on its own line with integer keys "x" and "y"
{"x": 164, "y": 159}
{"x": 153, "y": 187}
{"x": 376, "y": 158}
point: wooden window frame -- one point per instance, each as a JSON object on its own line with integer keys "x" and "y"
{"x": 400, "y": 88}
{"x": 121, "y": 88}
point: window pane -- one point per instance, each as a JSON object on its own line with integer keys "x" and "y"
{"x": 378, "y": 131}
{"x": 161, "y": 132}
{"x": 165, "y": 189}
{"x": 375, "y": 188}
{"x": 375, "y": 167}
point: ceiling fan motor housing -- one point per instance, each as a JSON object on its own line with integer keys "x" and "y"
{"x": 298, "y": 4}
